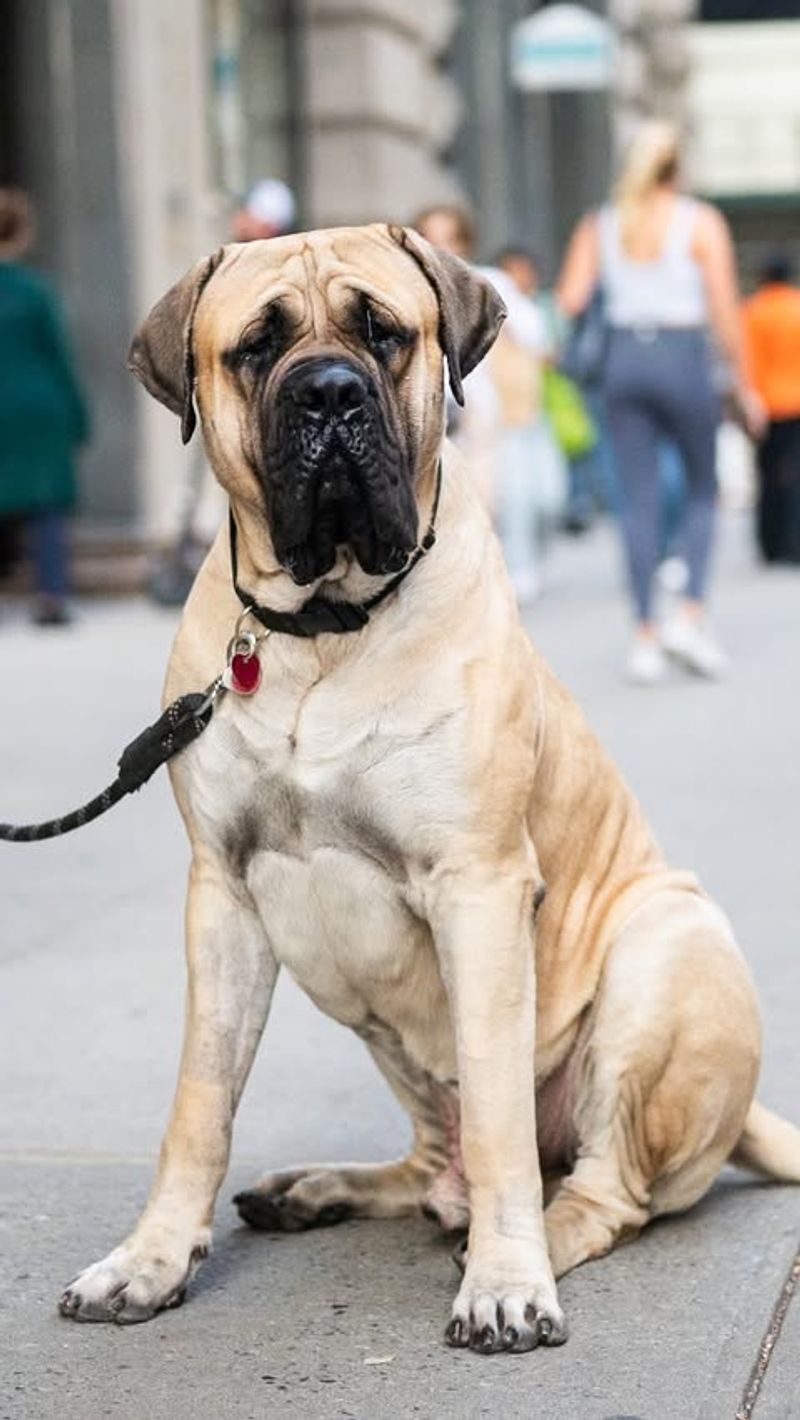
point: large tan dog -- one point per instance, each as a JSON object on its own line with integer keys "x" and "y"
{"x": 415, "y": 820}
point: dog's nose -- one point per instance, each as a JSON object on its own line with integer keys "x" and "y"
{"x": 332, "y": 388}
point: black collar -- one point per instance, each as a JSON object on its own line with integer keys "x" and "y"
{"x": 319, "y": 614}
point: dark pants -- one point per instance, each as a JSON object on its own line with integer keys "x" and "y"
{"x": 48, "y": 551}
{"x": 778, "y": 512}
{"x": 659, "y": 389}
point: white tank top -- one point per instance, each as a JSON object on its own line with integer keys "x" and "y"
{"x": 666, "y": 292}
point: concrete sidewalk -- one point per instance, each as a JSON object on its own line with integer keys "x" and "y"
{"x": 347, "y": 1322}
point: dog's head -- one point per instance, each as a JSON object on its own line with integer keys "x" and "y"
{"x": 316, "y": 365}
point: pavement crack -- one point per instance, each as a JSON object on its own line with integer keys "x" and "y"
{"x": 768, "y": 1342}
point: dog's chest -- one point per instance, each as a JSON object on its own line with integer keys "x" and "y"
{"x": 333, "y": 818}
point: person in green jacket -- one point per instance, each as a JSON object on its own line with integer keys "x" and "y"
{"x": 43, "y": 415}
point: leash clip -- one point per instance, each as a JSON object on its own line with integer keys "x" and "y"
{"x": 215, "y": 690}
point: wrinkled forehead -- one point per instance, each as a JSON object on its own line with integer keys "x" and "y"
{"x": 318, "y": 277}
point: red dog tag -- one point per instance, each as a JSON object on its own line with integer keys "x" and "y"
{"x": 245, "y": 674}
{"x": 244, "y": 668}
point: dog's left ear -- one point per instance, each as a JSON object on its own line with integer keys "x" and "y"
{"x": 161, "y": 353}
{"x": 470, "y": 310}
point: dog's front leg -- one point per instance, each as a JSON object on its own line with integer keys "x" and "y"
{"x": 231, "y": 976}
{"x": 483, "y": 925}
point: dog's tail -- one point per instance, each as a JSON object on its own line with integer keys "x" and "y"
{"x": 769, "y": 1144}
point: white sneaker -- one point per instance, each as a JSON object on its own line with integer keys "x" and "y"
{"x": 646, "y": 662}
{"x": 691, "y": 643}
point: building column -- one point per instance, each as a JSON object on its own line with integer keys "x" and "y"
{"x": 381, "y": 111}
{"x": 654, "y": 62}
{"x": 161, "y": 60}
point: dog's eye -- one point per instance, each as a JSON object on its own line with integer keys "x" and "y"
{"x": 383, "y": 336}
{"x": 260, "y": 346}
{"x": 260, "y": 350}
{"x": 255, "y": 353}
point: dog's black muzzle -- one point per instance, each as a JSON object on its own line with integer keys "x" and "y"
{"x": 338, "y": 472}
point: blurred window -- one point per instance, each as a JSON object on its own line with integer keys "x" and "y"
{"x": 531, "y": 163}
{"x": 256, "y": 93}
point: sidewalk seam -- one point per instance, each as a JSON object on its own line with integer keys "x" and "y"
{"x": 755, "y": 1380}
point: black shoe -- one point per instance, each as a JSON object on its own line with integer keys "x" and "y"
{"x": 51, "y": 611}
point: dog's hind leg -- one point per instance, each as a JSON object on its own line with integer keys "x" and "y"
{"x": 667, "y": 1077}
{"x": 232, "y": 973}
{"x": 317, "y": 1195}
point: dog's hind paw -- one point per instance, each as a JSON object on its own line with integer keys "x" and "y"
{"x": 295, "y": 1200}
{"x": 131, "y": 1284}
{"x": 318, "y": 1195}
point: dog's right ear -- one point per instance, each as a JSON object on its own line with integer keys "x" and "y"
{"x": 161, "y": 353}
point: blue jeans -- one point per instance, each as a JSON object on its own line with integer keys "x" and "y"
{"x": 673, "y": 498}
{"x": 659, "y": 390}
{"x": 47, "y": 543}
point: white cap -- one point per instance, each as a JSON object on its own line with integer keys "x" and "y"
{"x": 271, "y": 201}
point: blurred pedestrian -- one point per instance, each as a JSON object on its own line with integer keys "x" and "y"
{"x": 772, "y": 331}
{"x": 450, "y": 227}
{"x": 476, "y": 427}
{"x": 587, "y": 466}
{"x": 447, "y": 225}
{"x": 522, "y": 267}
{"x": 510, "y": 451}
{"x": 43, "y": 417}
{"x": 665, "y": 265}
{"x": 267, "y": 211}
{"x": 565, "y": 419}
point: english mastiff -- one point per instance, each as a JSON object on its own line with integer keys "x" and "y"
{"x": 411, "y": 815}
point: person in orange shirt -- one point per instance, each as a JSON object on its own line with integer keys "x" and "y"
{"x": 772, "y": 334}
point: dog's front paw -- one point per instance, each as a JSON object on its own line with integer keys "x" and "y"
{"x": 132, "y": 1283}
{"x": 516, "y": 1315}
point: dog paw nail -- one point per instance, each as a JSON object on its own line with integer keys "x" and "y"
{"x": 457, "y": 1333}
{"x": 552, "y": 1333}
{"x": 486, "y": 1339}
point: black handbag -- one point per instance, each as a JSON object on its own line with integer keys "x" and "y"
{"x": 584, "y": 355}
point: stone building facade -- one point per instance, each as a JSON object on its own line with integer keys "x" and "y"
{"x": 382, "y": 111}
{"x": 653, "y": 62}
{"x": 137, "y": 124}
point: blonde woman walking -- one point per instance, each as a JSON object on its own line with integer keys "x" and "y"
{"x": 666, "y": 267}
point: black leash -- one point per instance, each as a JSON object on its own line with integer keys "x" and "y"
{"x": 182, "y": 722}
{"x": 188, "y": 716}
